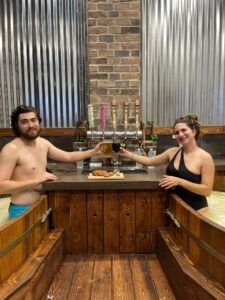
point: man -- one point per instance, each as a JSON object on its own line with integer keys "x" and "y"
{"x": 23, "y": 160}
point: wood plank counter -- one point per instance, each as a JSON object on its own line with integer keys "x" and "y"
{"x": 71, "y": 179}
{"x": 108, "y": 216}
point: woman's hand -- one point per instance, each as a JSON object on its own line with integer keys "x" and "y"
{"x": 168, "y": 182}
{"x": 123, "y": 152}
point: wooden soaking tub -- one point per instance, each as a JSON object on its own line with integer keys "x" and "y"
{"x": 25, "y": 243}
{"x": 114, "y": 224}
{"x": 201, "y": 242}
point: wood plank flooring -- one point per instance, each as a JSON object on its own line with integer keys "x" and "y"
{"x": 106, "y": 277}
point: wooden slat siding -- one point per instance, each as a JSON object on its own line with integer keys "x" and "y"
{"x": 15, "y": 228}
{"x": 74, "y": 131}
{"x": 48, "y": 270}
{"x": 158, "y": 218}
{"x": 164, "y": 290}
{"x": 78, "y": 223}
{"x": 44, "y": 207}
{"x": 207, "y": 232}
{"x": 29, "y": 220}
{"x": 187, "y": 279}
{"x": 62, "y": 281}
{"x": 111, "y": 222}
{"x": 31, "y": 280}
{"x": 37, "y": 230}
{"x": 127, "y": 221}
{"x": 59, "y": 201}
{"x": 8, "y": 260}
{"x": 216, "y": 238}
{"x": 219, "y": 181}
{"x": 115, "y": 221}
{"x": 95, "y": 221}
{"x": 194, "y": 225}
{"x": 102, "y": 278}
{"x": 20, "y": 249}
{"x": 143, "y": 216}
{"x": 121, "y": 278}
{"x": 82, "y": 279}
{"x": 143, "y": 285}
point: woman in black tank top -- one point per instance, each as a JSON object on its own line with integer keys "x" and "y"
{"x": 194, "y": 200}
{"x": 190, "y": 170}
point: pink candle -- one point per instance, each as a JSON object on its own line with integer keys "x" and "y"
{"x": 102, "y": 116}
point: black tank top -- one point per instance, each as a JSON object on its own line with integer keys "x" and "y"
{"x": 194, "y": 200}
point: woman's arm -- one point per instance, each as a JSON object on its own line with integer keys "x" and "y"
{"x": 204, "y": 188}
{"x": 160, "y": 159}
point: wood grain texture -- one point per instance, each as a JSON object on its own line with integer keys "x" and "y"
{"x": 127, "y": 221}
{"x": 111, "y": 222}
{"x": 33, "y": 277}
{"x": 143, "y": 226}
{"x": 95, "y": 221}
{"x": 108, "y": 221}
{"x": 13, "y": 230}
{"x": 110, "y": 277}
{"x": 189, "y": 281}
{"x": 205, "y": 239}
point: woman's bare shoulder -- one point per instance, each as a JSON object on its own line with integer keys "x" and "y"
{"x": 172, "y": 151}
{"x": 204, "y": 154}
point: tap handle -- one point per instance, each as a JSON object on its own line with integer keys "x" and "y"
{"x": 126, "y": 106}
{"x": 90, "y": 116}
{"x": 114, "y": 114}
{"x": 137, "y": 112}
{"x": 102, "y": 116}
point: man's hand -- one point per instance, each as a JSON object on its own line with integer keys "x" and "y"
{"x": 98, "y": 149}
{"x": 47, "y": 177}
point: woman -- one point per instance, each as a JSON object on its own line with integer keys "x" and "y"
{"x": 190, "y": 170}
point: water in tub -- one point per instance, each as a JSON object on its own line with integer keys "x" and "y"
{"x": 4, "y": 204}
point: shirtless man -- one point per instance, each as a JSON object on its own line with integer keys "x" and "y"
{"x": 23, "y": 161}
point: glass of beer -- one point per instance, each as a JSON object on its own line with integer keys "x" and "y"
{"x": 107, "y": 148}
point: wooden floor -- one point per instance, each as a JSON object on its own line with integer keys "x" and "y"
{"x": 107, "y": 277}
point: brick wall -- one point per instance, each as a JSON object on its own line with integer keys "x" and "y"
{"x": 114, "y": 55}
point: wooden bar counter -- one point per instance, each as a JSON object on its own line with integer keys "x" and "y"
{"x": 107, "y": 216}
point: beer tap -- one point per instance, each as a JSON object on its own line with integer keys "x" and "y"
{"x": 91, "y": 119}
{"x": 126, "y": 106}
{"x": 114, "y": 117}
{"x": 103, "y": 119}
{"x": 137, "y": 112}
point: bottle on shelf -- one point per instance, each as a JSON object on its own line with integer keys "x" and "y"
{"x": 80, "y": 163}
{"x": 138, "y": 152}
{"x": 151, "y": 153}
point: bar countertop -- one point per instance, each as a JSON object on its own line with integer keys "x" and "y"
{"x": 69, "y": 178}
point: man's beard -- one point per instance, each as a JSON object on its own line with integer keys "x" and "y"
{"x": 30, "y": 135}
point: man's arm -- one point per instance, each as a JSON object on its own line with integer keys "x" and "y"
{"x": 8, "y": 161}
{"x": 64, "y": 156}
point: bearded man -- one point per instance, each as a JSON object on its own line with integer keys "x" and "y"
{"x": 23, "y": 160}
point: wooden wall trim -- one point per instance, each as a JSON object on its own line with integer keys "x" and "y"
{"x": 73, "y": 131}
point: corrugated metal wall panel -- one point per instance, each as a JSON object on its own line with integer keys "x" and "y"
{"x": 183, "y": 61}
{"x": 39, "y": 60}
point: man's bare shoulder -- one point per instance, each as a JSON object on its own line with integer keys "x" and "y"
{"x": 11, "y": 146}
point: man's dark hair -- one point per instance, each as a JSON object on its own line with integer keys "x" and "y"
{"x": 21, "y": 109}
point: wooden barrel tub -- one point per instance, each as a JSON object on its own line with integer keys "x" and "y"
{"x": 20, "y": 236}
{"x": 202, "y": 241}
